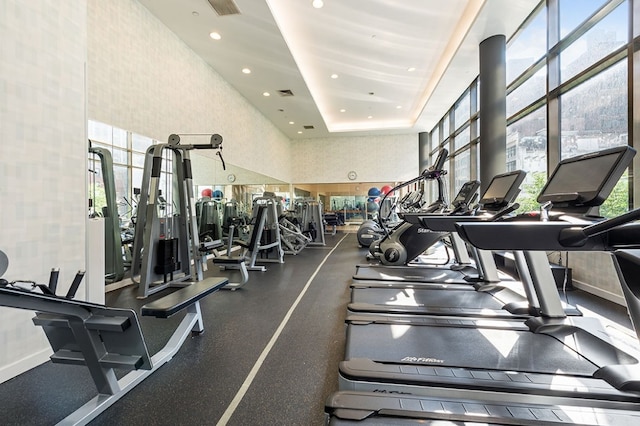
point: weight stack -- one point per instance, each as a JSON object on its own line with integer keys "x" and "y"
{"x": 167, "y": 259}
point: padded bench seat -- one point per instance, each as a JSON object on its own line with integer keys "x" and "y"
{"x": 228, "y": 260}
{"x": 206, "y": 246}
{"x": 178, "y": 300}
{"x": 105, "y": 339}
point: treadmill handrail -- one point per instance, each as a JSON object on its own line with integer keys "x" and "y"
{"x": 446, "y": 223}
{"x": 577, "y": 236}
{"x": 607, "y": 235}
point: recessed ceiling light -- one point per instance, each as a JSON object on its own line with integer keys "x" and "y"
{"x": 334, "y": 76}
{"x": 299, "y": 132}
{"x": 214, "y": 35}
{"x": 246, "y": 71}
{"x": 195, "y": 13}
{"x": 399, "y": 107}
{"x": 411, "y": 69}
{"x": 370, "y": 117}
{"x": 292, "y": 122}
{"x": 266, "y": 94}
{"x": 317, "y": 4}
{"x": 343, "y": 110}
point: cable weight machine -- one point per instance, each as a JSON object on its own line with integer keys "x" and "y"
{"x": 166, "y": 244}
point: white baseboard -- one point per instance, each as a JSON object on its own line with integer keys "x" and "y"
{"x": 612, "y": 297}
{"x": 25, "y": 364}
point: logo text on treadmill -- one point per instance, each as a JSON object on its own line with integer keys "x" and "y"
{"x": 391, "y": 391}
{"x": 416, "y": 359}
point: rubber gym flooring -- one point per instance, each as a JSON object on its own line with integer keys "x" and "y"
{"x": 197, "y": 387}
{"x": 269, "y": 354}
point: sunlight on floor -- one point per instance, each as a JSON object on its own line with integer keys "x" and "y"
{"x": 399, "y": 330}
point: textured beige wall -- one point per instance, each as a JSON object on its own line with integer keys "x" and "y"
{"x": 142, "y": 78}
{"x": 43, "y": 158}
{"x": 594, "y": 272}
{"x": 373, "y": 158}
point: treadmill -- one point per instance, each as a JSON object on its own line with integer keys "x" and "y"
{"x": 352, "y": 408}
{"x": 414, "y": 238}
{"x": 548, "y": 359}
{"x": 476, "y": 298}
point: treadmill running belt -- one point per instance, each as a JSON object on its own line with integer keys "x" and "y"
{"x": 411, "y": 274}
{"x": 416, "y": 297}
{"x": 481, "y": 348}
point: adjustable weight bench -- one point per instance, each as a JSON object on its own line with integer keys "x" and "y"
{"x": 231, "y": 262}
{"x": 103, "y": 338}
{"x": 235, "y": 262}
{"x": 249, "y": 249}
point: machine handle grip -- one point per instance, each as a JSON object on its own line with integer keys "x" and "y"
{"x": 502, "y": 213}
{"x": 75, "y": 285}
{"x": 53, "y": 280}
{"x": 576, "y": 236}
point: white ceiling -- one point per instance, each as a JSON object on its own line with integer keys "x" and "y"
{"x": 369, "y": 44}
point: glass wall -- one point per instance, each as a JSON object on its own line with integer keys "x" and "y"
{"x": 459, "y": 134}
{"x": 128, "y": 152}
{"x": 594, "y": 114}
{"x": 568, "y": 93}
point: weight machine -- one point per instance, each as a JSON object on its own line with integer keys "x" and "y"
{"x": 312, "y": 222}
{"x": 166, "y": 245}
{"x": 270, "y": 240}
{"x": 113, "y": 256}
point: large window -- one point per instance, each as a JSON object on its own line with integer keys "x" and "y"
{"x": 528, "y": 92}
{"x": 569, "y": 98}
{"x": 458, "y": 130}
{"x": 462, "y": 170}
{"x": 462, "y": 139}
{"x": 435, "y": 138}
{"x": 606, "y": 36}
{"x": 113, "y": 140}
{"x": 462, "y": 111}
{"x": 573, "y": 13}
{"x": 128, "y": 153}
{"x": 587, "y": 101}
{"x": 526, "y": 150}
{"x": 528, "y": 47}
{"x": 594, "y": 114}
{"x": 594, "y": 117}
{"x": 139, "y": 145}
{"x": 445, "y": 127}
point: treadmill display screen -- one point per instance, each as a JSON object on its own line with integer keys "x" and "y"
{"x": 587, "y": 179}
{"x": 466, "y": 192}
{"x": 503, "y": 188}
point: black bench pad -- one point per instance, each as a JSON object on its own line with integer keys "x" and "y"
{"x": 178, "y": 300}
{"x": 210, "y": 245}
{"x": 228, "y": 260}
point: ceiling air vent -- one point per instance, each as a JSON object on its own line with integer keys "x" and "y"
{"x": 224, "y": 7}
{"x": 308, "y": 127}
{"x": 286, "y": 92}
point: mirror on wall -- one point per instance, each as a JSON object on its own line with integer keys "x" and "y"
{"x": 353, "y": 202}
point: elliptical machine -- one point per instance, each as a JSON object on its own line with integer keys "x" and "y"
{"x": 370, "y": 231}
{"x": 407, "y": 241}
